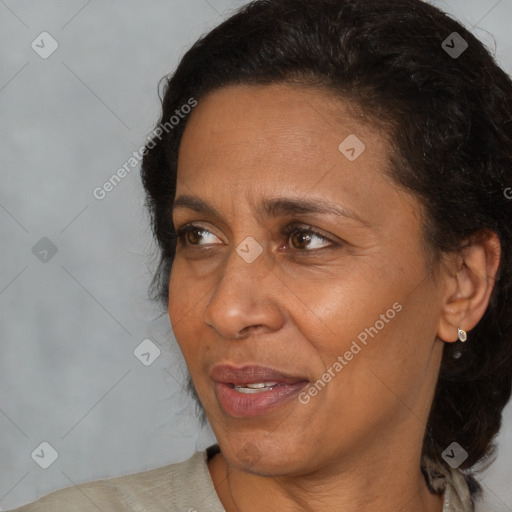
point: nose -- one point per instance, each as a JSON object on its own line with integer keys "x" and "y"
{"x": 244, "y": 300}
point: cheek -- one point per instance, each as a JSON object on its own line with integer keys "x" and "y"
{"x": 347, "y": 307}
{"x": 186, "y": 302}
{"x": 388, "y": 361}
{"x": 383, "y": 327}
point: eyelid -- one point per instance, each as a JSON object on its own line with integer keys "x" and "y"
{"x": 192, "y": 225}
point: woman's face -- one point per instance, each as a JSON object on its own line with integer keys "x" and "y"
{"x": 342, "y": 321}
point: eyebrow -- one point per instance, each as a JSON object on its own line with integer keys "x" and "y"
{"x": 279, "y": 206}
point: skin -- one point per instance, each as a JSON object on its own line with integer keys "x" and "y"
{"x": 356, "y": 446}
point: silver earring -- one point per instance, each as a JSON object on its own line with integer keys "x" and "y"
{"x": 462, "y": 335}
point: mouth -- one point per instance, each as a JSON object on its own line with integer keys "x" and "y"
{"x": 254, "y": 390}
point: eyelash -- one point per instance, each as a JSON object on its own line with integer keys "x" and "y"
{"x": 288, "y": 230}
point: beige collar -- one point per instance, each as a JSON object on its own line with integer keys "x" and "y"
{"x": 453, "y": 483}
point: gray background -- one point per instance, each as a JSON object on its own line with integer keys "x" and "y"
{"x": 70, "y": 324}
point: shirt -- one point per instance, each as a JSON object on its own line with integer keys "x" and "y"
{"x": 187, "y": 487}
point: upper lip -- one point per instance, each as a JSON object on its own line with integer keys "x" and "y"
{"x": 251, "y": 374}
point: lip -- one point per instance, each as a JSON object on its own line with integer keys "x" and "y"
{"x": 251, "y": 374}
{"x": 241, "y": 405}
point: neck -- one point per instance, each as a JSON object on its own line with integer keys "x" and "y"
{"x": 386, "y": 483}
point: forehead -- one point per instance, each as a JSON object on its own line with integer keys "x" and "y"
{"x": 246, "y": 135}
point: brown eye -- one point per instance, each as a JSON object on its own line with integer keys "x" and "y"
{"x": 301, "y": 238}
{"x": 192, "y": 234}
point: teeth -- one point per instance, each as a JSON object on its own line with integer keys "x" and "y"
{"x": 256, "y": 387}
{"x": 259, "y": 385}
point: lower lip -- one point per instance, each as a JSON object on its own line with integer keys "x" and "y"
{"x": 242, "y": 405}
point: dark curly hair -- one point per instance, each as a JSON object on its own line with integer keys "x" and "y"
{"x": 450, "y": 118}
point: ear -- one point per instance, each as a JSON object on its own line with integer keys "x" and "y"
{"x": 469, "y": 288}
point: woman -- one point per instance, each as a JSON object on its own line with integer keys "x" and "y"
{"x": 329, "y": 185}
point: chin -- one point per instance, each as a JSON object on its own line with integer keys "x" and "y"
{"x": 264, "y": 456}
